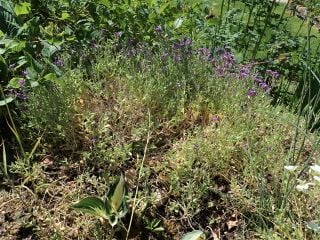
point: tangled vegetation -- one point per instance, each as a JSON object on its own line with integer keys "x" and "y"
{"x": 159, "y": 119}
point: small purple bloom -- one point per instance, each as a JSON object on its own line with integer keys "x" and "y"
{"x": 252, "y": 93}
{"x": 273, "y": 74}
{"x": 118, "y": 34}
{"x": 215, "y": 118}
{"x": 220, "y": 71}
{"x": 158, "y": 29}
{"x": 58, "y": 62}
{"x": 12, "y": 66}
{"x": 94, "y": 140}
{"x": 22, "y": 96}
{"x": 186, "y": 41}
{"x": 176, "y": 46}
{"x": 244, "y": 71}
{"x": 22, "y": 82}
{"x": 258, "y": 80}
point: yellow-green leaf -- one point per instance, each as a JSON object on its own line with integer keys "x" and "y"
{"x": 22, "y": 8}
{"x": 117, "y": 194}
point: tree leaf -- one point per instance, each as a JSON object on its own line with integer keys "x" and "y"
{"x": 92, "y": 205}
{"x": 194, "y": 235}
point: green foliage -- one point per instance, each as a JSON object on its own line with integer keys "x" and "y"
{"x": 112, "y": 209}
{"x": 8, "y": 21}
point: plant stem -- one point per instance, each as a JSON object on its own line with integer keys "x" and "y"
{"x": 140, "y": 174}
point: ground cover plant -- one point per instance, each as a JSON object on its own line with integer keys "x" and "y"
{"x": 158, "y": 120}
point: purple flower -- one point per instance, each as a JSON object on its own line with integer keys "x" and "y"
{"x": 158, "y": 29}
{"x": 244, "y": 71}
{"x": 58, "y": 62}
{"x": 252, "y": 93}
{"x": 220, "y": 71}
{"x": 205, "y": 53}
{"x": 21, "y": 96}
{"x": 186, "y": 41}
{"x": 258, "y": 80}
{"x": 118, "y": 34}
{"x": 264, "y": 86}
{"x": 94, "y": 140}
{"x": 22, "y": 82}
{"x": 12, "y": 66}
{"x": 273, "y": 74}
{"x": 215, "y": 118}
{"x": 176, "y": 46}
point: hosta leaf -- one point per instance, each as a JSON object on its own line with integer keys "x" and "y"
{"x": 116, "y": 195}
{"x": 92, "y": 205}
{"x": 195, "y": 235}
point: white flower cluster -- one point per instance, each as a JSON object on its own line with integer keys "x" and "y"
{"x": 303, "y": 186}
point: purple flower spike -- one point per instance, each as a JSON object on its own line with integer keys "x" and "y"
{"x": 244, "y": 72}
{"x": 215, "y": 118}
{"x": 186, "y": 41}
{"x": 276, "y": 75}
{"x": 265, "y": 87}
{"x": 252, "y": 93}
{"x": 258, "y": 80}
{"x": 273, "y": 74}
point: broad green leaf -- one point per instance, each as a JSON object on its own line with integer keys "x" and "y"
{"x": 50, "y": 77}
{"x": 194, "y": 235}
{"x": 35, "y": 65}
{"x": 92, "y": 205}
{"x": 14, "y": 82}
{"x": 34, "y": 84}
{"x": 65, "y": 15}
{"x": 13, "y": 45}
{"x": 6, "y": 101}
{"x": 116, "y": 195}
{"x": 48, "y": 49}
{"x": 22, "y": 8}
